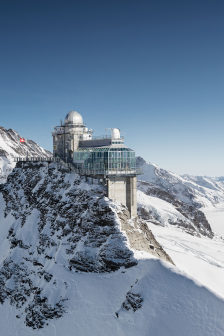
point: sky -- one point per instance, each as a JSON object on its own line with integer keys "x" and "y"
{"x": 154, "y": 69}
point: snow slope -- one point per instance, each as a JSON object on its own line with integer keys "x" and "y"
{"x": 10, "y": 147}
{"x": 164, "y": 209}
{"x": 67, "y": 268}
{"x": 215, "y": 216}
{"x": 215, "y": 210}
{"x": 198, "y": 200}
{"x": 173, "y": 305}
{"x": 200, "y": 258}
{"x": 162, "y": 212}
{"x": 209, "y": 191}
{"x": 195, "y": 190}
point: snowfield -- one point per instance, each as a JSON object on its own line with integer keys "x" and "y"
{"x": 67, "y": 268}
{"x": 163, "y": 212}
{"x": 173, "y": 305}
{"x": 200, "y": 257}
{"x": 199, "y": 190}
{"x": 215, "y": 216}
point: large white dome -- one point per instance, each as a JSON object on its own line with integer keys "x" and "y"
{"x": 74, "y": 117}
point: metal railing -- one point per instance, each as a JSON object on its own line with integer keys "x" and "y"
{"x": 107, "y": 172}
{"x": 36, "y": 159}
{"x": 106, "y": 136}
{"x": 81, "y": 171}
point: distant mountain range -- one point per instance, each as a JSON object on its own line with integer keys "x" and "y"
{"x": 200, "y": 191}
{"x": 184, "y": 198}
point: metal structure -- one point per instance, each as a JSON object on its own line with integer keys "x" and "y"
{"x": 106, "y": 160}
{"x": 100, "y": 157}
{"x": 66, "y": 136}
{"x": 36, "y": 159}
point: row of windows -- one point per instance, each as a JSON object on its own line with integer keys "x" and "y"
{"x": 110, "y": 154}
{"x": 106, "y": 160}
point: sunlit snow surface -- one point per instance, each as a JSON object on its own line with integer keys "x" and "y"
{"x": 173, "y": 305}
{"x": 175, "y": 299}
{"x": 206, "y": 191}
{"x": 215, "y": 216}
{"x": 201, "y": 258}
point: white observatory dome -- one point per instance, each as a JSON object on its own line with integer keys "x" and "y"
{"x": 74, "y": 117}
{"x": 116, "y": 133}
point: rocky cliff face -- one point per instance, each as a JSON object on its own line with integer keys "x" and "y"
{"x": 53, "y": 217}
{"x": 10, "y": 147}
{"x": 199, "y": 191}
{"x": 68, "y": 253}
{"x": 174, "y": 190}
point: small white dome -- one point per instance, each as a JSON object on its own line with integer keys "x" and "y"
{"x": 116, "y": 133}
{"x": 74, "y": 117}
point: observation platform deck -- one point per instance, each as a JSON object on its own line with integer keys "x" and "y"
{"x": 36, "y": 159}
{"x": 97, "y": 173}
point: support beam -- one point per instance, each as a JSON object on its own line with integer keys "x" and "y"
{"x": 123, "y": 190}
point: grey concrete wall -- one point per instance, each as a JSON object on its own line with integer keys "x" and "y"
{"x": 131, "y": 199}
{"x": 123, "y": 190}
{"x": 117, "y": 189}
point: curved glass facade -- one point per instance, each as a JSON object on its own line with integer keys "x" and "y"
{"x": 106, "y": 160}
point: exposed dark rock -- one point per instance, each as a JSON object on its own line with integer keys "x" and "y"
{"x": 69, "y": 216}
{"x": 140, "y": 237}
{"x": 197, "y": 223}
{"x": 133, "y": 301}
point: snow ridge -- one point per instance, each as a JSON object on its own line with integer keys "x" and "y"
{"x": 160, "y": 190}
{"x": 66, "y": 267}
{"x": 54, "y": 219}
{"x": 10, "y": 147}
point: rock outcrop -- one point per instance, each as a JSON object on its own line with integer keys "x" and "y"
{"x": 54, "y": 217}
{"x": 174, "y": 190}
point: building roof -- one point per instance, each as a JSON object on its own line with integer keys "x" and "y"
{"x": 74, "y": 117}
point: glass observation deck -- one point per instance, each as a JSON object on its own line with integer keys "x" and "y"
{"x": 105, "y": 161}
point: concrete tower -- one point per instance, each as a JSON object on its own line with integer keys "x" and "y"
{"x": 66, "y": 137}
{"x": 105, "y": 158}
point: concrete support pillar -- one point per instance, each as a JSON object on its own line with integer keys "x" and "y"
{"x": 116, "y": 189}
{"x": 131, "y": 199}
{"x": 123, "y": 190}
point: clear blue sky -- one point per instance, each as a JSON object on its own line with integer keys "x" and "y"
{"x": 155, "y": 69}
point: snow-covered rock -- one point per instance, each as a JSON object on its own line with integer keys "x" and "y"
{"x": 11, "y": 147}
{"x": 209, "y": 191}
{"x": 200, "y": 191}
{"x": 187, "y": 197}
{"x": 54, "y": 217}
{"x": 70, "y": 263}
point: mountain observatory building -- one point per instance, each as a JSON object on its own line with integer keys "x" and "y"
{"x": 106, "y": 158}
